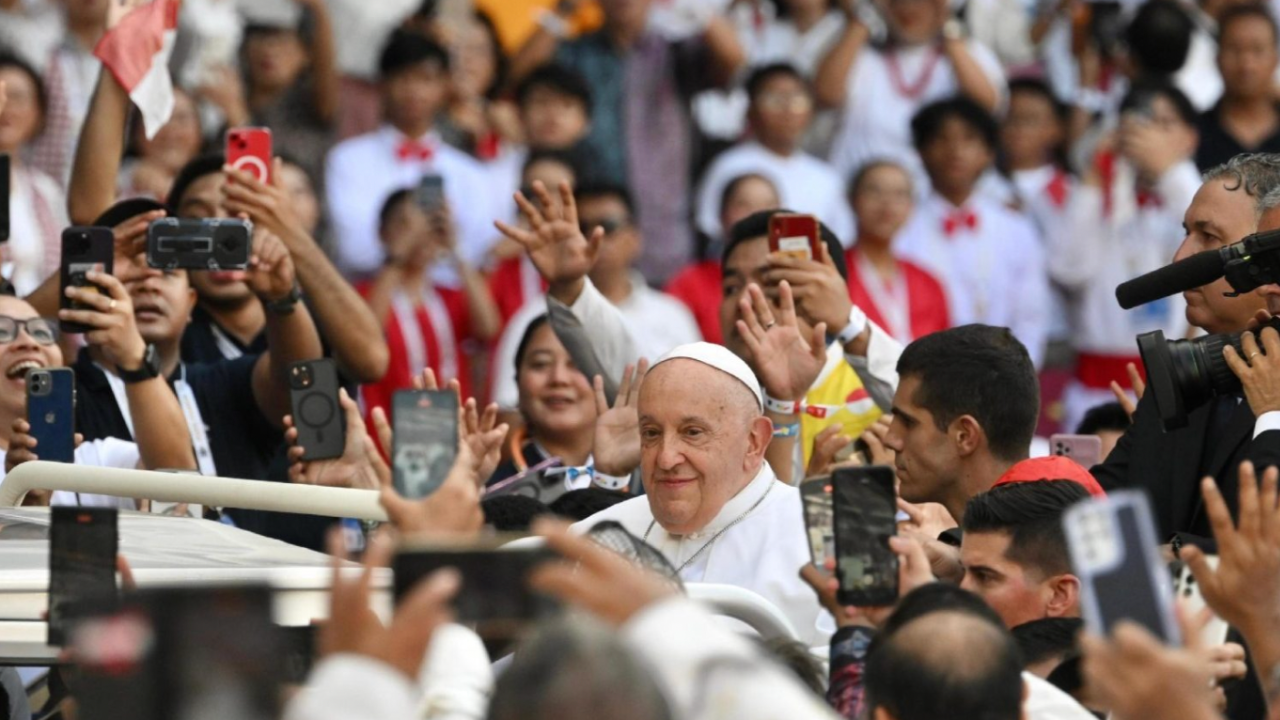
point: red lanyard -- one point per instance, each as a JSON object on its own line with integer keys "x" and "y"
{"x": 916, "y": 89}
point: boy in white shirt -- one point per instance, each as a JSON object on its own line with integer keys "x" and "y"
{"x": 988, "y": 256}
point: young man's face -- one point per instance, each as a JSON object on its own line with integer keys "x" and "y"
{"x": 275, "y": 57}
{"x": 781, "y": 112}
{"x": 956, "y": 157}
{"x": 162, "y": 303}
{"x": 1247, "y": 57}
{"x": 22, "y": 354}
{"x": 1221, "y": 213}
{"x": 203, "y": 200}
{"x": 1030, "y": 131}
{"x": 415, "y": 94}
{"x": 553, "y": 120}
{"x": 926, "y": 457}
{"x": 1016, "y": 594}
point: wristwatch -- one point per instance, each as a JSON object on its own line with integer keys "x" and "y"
{"x": 287, "y": 304}
{"x": 150, "y": 367}
{"x": 953, "y": 29}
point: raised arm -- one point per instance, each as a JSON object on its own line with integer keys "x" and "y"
{"x": 970, "y": 75}
{"x": 541, "y": 45}
{"x": 97, "y": 163}
{"x": 341, "y": 315}
{"x": 830, "y": 84}
{"x": 324, "y": 61}
{"x": 291, "y": 335}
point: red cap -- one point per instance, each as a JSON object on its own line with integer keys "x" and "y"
{"x": 1052, "y": 467}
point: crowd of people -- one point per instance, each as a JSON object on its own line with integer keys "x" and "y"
{"x": 597, "y": 286}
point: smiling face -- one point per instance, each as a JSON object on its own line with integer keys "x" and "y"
{"x": 1218, "y": 216}
{"x": 702, "y": 440}
{"x": 21, "y": 355}
{"x": 555, "y": 398}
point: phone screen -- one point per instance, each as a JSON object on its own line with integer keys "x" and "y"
{"x": 426, "y": 439}
{"x": 794, "y": 235}
{"x": 819, "y": 518}
{"x": 430, "y": 195}
{"x": 495, "y": 590}
{"x": 82, "y": 566}
{"x": 865, "y": 511}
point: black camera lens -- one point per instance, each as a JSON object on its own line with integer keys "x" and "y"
{"x": 1183, "y": 375}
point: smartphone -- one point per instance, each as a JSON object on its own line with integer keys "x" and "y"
{"x": 205, "y": 244}
{"x": 865, "y": 509}
{"x": 1114, "y": 552}
{"x": 4, "y": 196}
{"x": 51, "y": 413}
{"x": 249, "y": 150}
{"x": 426, "y": 439}
{"x": 1187, "y": 591}
{"x": 82, "y": 566}
{"x": 795, "y": 236}
{"x": 191, "y": 653}
{"x": 313, "y": 395}
{"x": 819, "y": 518}
{"x": 430, "y": 193}
{"x": 83, "y": 249}
{"x": 1084, "y": 449}
{"x": 495, "y": 593}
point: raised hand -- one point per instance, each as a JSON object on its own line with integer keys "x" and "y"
{"x": 1139, "y": 389}
{"x": 826, "y": 446}
{"x": 271, "y": 275}
{"x": 131, "y": 247}
{"x": 22, "y": 449}
{"x": 454, "y": 508}
{"x": 820, "y": 294}
{"x": 108, "y": 311}
{"x": 616, "y": 449}
{"x": 555, "y": 244}
{"x": 785, "y": 361}
{"x": 913, "y": 572}
{"x": 1258, "y": 369}
{"x": 474, "y": 427}
{"x": 268, "y": 205}
{"x": 354, "y": 469}
{"x": 1137, "y": 678}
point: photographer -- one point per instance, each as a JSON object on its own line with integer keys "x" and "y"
{"x": 1218, "y": 435}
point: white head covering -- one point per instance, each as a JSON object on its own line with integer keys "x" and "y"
{"x": 720, "y": 358}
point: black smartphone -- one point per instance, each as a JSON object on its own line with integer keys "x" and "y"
{"x": 208, "y": 244}
{"x": 1106, "y": 26}
{"x": 82, "y": 566}
{"x": 1114, "y": 552}
{"x": 321, "y": 423}
{"x": 183, "y": 654}
{"x": 430, "y": 193}
{"x": 51, "y": 413}
{"x": 865, "y": 509}
{"x": 83, "y": 249}
{"x": 819, "y": 518}
{"x": 4, "y": 196}
{"x": 426, "y": 439}
{"x": 495, "y": 592}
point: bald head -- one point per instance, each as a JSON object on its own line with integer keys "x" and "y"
{"x": 946, "y": 664}
{"x": 702, "y": 440}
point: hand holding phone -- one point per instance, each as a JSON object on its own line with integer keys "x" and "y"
{"x": 865, "y": 509}
{"x": 83, "y": 543}
{"x": 83, "y": 249}
{"x": 319, "y": 419}
{"x": 51, "y": 404}
{"x": 1084, "y": 449}
{"x": 425, "y": 423}
{"x": 199, "y": 244}
{"x": 819, "y": 518}
{"x": 249, "y": 150}
{"x": 794, "y": 235}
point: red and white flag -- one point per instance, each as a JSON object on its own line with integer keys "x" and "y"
{"x": 136, "y": 50}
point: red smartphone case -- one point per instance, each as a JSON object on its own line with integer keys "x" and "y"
{"x": 795, "y": 236}
{"x": 249, "y": 150}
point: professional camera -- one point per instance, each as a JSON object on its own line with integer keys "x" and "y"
{"x": 1182, "y": 375}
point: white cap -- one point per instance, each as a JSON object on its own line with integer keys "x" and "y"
{"x": 720, "y": 358}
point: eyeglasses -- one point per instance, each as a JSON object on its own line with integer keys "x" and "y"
{"x": 610, "y": 225}
{"x": 43, "y": 331}
{"x": 789, "y": 102}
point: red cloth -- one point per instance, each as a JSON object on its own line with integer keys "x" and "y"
{"x": 927, "y": 298}
{"x": 399, "y": 375}
{"x": 1053, "y": 467}
{"x": 507, "y": 289}
{"x": 698, "y": 287}
{"x": 1097, "y": 371}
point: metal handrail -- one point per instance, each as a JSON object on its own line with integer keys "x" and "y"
{"x": 196, "y": 489}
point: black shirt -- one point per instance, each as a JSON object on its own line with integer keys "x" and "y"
{"x": 1218, "y": 146}
{"x": 243, "y": 442}
{"x": 200, "y": 340}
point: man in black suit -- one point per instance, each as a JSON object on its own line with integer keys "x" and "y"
{"x": 1220, "y": 434}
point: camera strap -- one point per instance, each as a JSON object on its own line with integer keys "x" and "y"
{"x": 196, "y": 428}
{"x": 416, "y": 346}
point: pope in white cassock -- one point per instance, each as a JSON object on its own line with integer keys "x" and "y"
{"x": 713, "y": 507}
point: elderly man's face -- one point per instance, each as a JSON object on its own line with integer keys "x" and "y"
{"x": 702, "y": 439}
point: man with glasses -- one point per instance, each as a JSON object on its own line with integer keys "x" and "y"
{"x": 780, "y": 114}
{"x": 29, "y": 342}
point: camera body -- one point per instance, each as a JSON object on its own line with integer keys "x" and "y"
{"x": 1182, "y": 375}
{"x": 208, "y": 244}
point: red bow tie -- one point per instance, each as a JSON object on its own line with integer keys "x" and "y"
{"x": 414, "y": 150}
{"x": 957, "y": 219}
{"x": 1148, "y": 199}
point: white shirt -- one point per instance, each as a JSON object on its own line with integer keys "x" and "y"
{"x": 655, "y": 322}
{"x": 361, "y": 30}
{"x": 107, "y": 452}
{"x": 32, "y": 29}
{"x": 762, "y": 553}
{"x": 994, "y": 272}
{"x": 1046, "y": 702}
{"x": 362, "y": 172}
{"x": 1093, "y": 252}
{"x": 804, "y": 183}
{"x": 877, "y": 117}
{"x": 37, "y": 212}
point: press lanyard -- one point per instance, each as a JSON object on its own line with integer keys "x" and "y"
{"x": 411, "y": 330}
{"x": 190, "y": 410}
{"x": 226, "y": 347}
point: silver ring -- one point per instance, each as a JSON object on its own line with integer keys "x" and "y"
{"x": 769, "y": 325}
{"x": 112, "y": 306}
{"x": 1252, "y": 355}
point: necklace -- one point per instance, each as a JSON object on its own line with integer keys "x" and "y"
{"x": 914, "y": 90}
{"x": 715, "y": 537}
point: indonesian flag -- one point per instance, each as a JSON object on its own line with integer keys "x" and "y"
{"x": 136, "y": 49}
